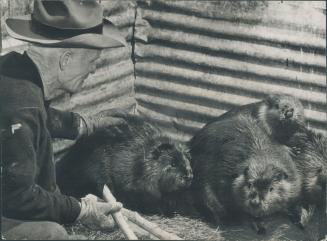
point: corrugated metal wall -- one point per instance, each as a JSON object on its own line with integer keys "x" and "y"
{"x": 197, "y": 59}
{"x": 112, "y": 85}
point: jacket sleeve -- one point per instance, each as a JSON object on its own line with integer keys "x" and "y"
{"x": 63, "y": 124}
{"x": 22, "y": 198}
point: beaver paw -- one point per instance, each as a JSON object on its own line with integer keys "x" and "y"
{"x": 259, "y": 226}
{"x": 295, "y": 216}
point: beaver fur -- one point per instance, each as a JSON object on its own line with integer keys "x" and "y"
{"x": 139, "y": 164}
{"x": 310, "y": 156}
{"x": 239, "y": 170}
{"x": 279, "y": 114}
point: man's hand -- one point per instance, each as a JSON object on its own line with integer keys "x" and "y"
{"x": 95, "y": 214}
{"x": 113, "y": 117}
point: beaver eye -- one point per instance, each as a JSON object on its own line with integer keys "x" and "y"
{"x": 173, "y": 164}
{"x": 271, "y": 189}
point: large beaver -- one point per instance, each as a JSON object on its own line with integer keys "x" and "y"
{"x": 280, "y": 115}
{"x": 138, "y": 163}
{"x": 240, "y": 170}
{"x": 310, "y": 156}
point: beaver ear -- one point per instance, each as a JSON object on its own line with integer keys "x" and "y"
{"x": 160, "y": 148}
{"x": 271, "y": 100}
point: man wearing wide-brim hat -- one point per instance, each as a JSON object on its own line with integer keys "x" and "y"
{"x": 66, "y": 38}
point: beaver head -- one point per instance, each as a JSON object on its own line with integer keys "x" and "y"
{"x": 285, "y": 108}
{"x": 264, "y": 186}
{"x": 165, "y": 166}
{"x": 281, "y": 112}
{"x": 174, "y": 159}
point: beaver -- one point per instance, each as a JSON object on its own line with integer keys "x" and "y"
{"x": 310, "y": 156}
{"x": 136, "y": 160}
{"x": 239, "y": 171}
{"x": 281, "y": 115}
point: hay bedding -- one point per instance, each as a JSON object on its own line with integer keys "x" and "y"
{"x": 278, "y": 229}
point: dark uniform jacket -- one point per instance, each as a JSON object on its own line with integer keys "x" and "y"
{"x": 29, "y": 181}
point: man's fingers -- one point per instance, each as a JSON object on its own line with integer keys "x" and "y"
{"x": 103, "y": 206}
{"x": 91, "y": 197}
{"x": 100, "y": 200}
{"x": 118, "y": 121}
{"x": 107, "y": 208}
{"x": 112, "y": 121}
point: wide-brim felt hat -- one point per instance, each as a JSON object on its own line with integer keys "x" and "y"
{"x": 66, "y": 23}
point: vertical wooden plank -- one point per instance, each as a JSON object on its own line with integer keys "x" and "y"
{"x": 9, "y": 8}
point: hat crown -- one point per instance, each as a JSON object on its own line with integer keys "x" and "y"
{"x": 68, "y": 14}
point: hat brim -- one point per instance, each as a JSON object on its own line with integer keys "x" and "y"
{"x": 22, "y": 28}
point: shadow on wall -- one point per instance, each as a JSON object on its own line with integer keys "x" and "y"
{"x": 197, "y": 59}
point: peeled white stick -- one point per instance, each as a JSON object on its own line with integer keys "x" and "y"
{"x": 118, "y": 217}
{"x": 140, "y": 232}
{"x": 148, "y": 226}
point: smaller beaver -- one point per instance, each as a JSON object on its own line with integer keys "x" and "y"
{"x": 280, "y": 115}
{"x": 310, "y": 156}
{"x": 240, "y": 170}
{"x": 139, "y": 164}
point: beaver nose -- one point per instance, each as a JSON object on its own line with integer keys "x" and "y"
{"x": 255, "y": 203}
{"x": 289, "y": 113}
